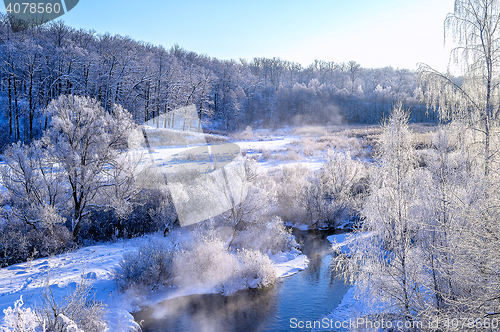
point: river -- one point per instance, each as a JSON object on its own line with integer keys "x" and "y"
{"x": 307, "y": 295}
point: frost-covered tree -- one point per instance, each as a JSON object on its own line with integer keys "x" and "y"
{"x": 474, "y": 28}
{"x": 80, "y": 163}
{"x": 341, "y": 178}
{"x": 247, "y": 194}
{"x": 459, "y": 222}
{"x": 88, "y": 143}
{"x": 459, "y": 242}
{"x": 353, "y": 69}
{"x": 385, "y": 264}
{"x": 33, "y": 182}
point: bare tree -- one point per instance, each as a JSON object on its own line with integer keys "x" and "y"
{"x": 353, "y": 69}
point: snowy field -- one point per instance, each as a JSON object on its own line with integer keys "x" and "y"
{"x": 269, "y": 149}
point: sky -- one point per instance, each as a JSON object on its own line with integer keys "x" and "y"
{"x": 374, "y": 33}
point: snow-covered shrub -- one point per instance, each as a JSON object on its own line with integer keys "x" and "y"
{"x": 340, "y": 175}
{"x": 20, "y": 319}
{"x": 148, "y": 267}
{"x": 271, "y": 236}
{"x": 257, "y": 268}
{"x": 69, "y": 325}
{"x": 309, "y": 147}
{"x": 265, "y": 154}
{"x": 314, "y": 199}
{"x": 205, "y": 263}
{"x": 75, "y": 312}
{"x": 337, "y": 192}
{"x": 245, "y": 135}
{"x": 291, "y": 183}
{"x": 208, "y": 263}
{"x": 20, "y": 242}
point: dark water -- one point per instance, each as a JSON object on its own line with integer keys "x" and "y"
{"x": 307, "y": 295}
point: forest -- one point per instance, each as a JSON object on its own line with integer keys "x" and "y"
{"x": 40, "y": 64}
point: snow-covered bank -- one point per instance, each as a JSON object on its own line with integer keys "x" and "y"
{"x": 98, "y": 264}
{"x": 63, "y": 272}
{"x": 289, "y": 263}
{"x": 351, "y": 307}
{"x": 343, "y": 241}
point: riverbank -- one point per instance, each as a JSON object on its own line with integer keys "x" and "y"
{"x": 98, "y": 263}
{"x": 309, "y": 294}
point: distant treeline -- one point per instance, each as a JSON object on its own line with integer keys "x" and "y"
{"x": 39, "y": 64}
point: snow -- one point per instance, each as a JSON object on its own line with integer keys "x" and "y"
{"x": 302, "y": 227}
{"x": 351, "y": 305}
{"x": 348, "y": 309}
{"x": 342, "y": 241}
{"x": 64, "y": 272}
{"x": 169, "y": 158}
{"x": 119, "y": 320}
{"x": 98, "y": 264}
{"x": 275, "y": 144}
{"x": 289, "y": 263}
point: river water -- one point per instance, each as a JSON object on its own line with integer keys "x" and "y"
{"x": 307, "y": 295}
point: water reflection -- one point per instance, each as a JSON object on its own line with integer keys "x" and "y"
{"x": 307, "y": 295}
{"x": 212, "y": 312}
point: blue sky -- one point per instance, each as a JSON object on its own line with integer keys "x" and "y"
{"x": 398, "y": 33}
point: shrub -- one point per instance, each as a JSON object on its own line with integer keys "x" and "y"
{"x": 208, "y": 263}
{"x": 98, "y": 226}
{"x": 20, "y": 242}
{"x": 257, "y": 268}
{"x": 265, "y": 154}
{"x": 291, "y": 183}
{"x": 149, "y": 267}
{"x": 75, "y": 312}
{"x": 20, "y": 319}
{"x": 152, "y": 211}
{"x": 271, "y": 236}
{"x": 245, "y": 135}
{"x": 336, "y": 193}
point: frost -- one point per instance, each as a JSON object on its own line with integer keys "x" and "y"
{"x": 19, "y": 319}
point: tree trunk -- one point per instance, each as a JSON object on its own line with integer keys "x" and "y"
{"x": 31, "y": 108}
{"x": 10, "y": 107}
{"x": 16, "y": 110}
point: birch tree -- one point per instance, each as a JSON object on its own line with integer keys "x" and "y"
{"x": 386, "y": 264}
{"x": 474, "y": 27}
